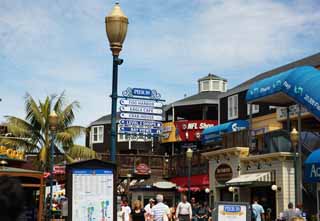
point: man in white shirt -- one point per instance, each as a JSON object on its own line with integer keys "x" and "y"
{"x": 184, "y": 210}
{"x": 160, "y": 212}
{"x": 148, "y": 208}
{"x": 125, "y": 210}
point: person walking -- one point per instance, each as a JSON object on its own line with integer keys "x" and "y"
{"x": 64, "y": 208}
{"x": 148, "y": 208}
{"x": 202, "y": 213}
{"x": 291, "y": 212}
{"x": 257, "y": 211}
{"x": 137, "y": 213}
{"x": 160, "y": 212}
{"x": 184, "y": 210}
{"x": 125, "y": 210}
{"x": 195, "y": 207}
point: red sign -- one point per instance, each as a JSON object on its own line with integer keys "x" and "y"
{"x": 190, "y": 130}
{"x": 142, "y": 169}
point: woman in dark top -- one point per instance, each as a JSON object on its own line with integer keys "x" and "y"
{"x": 137, "y": 213}
{"x": 202, "y": 213}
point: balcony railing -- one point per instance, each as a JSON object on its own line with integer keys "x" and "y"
{"x": 158, "y": 164}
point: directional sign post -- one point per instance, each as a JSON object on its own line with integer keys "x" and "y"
{"x": 140, "y": 112}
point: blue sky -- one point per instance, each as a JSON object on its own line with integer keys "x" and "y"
{"x": 50, "y": 46}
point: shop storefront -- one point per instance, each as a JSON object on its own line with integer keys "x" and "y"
{"x": 312, "y": 174}
{"x": 148, "y": 188}
{"x": 235, "y": 175}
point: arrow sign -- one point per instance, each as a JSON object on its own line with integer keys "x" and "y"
{"x": 140, "y": 102}
{"x": 140, "y": 123}
{"x": 140, "y": 130}
{"x": 146, "y": 110}
{"x": 141, "y": 116}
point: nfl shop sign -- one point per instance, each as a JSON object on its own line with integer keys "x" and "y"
{"x": 191, "y": 130}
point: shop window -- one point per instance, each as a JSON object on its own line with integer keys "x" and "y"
{"x": 97, "y": 134}
{"x": 233, "y": 107}
{"x": 277, "y": 141}
{"x": 255, "y": 108}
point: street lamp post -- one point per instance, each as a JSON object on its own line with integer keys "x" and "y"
{"x": 53, "y": 122}
{"x": 116, "y": 29}
{"x": 189, "y": 154}
{"x": 294, "y": 136}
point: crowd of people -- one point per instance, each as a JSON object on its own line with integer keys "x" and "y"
{"x": 59, "y": 204}
{"x": 157, "y": 210}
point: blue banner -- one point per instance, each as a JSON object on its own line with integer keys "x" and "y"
{"x": 92, "y": 171}
{"x": 301, "y": 84}
{"x": 312, "y": 172}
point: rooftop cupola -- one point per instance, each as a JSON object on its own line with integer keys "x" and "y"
{"x": 212, "y": 82}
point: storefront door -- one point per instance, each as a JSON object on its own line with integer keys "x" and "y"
{"x": 267, "y": 199}
{"x": 226, "y": 195}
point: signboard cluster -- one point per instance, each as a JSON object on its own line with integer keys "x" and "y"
{"x": 140, "y": 112}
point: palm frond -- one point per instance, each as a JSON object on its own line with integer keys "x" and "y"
{"x": 82, "y": 152}
{"x": 19, "y": 127}
{"x": 59, "y": 103}
{"x": 66, "y": 117}
{"x": 33, "y": 112}
{"x": 21, "y": 143}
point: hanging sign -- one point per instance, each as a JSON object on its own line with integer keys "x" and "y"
{"x": 146, "y": 110}
{"x": 141, "y": 116}
{"x": 140, "y": 102}
{"x": 140, "y": 123}
{"x": 140, "y": 111}
{"x": 140, "y": 130}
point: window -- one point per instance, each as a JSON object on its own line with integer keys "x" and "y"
{"x": 224, "y": 87}
{"x": 205, "y": 85}
{"x": 97, "y": 134}
{"x": 233, "y": 107}
{"x": 255, "y": 109}
{"x": 215, "y": 85}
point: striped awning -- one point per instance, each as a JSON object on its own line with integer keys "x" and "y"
{"x": 251, "y": 178}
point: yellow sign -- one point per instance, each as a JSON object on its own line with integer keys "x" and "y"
{"x": 169, "y": 133}
{"x": 11, "y": 153}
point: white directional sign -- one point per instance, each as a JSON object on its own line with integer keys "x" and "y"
{"x": 140, "y": 102}
{"x": 140, "y": 130}
{"x": 139, "y": 123}
{"x": 141, "y": 116}
{"x": 145, "y": 110}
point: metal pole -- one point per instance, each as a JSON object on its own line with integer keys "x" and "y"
{"x": 51, "y": 173}
{"x": 114, "y": 96}
{"x": 250, "y": 128}
{"x": 189, "y": 179}
{"x": 299, "y": 164}
{"x": 288, "y": 120}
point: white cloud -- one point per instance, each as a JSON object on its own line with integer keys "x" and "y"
{"x": 61, "y": 45}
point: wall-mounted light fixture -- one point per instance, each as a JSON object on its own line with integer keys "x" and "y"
{"x": 248, "y": 167}
{"x": 275, "y": 188}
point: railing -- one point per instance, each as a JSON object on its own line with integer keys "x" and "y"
{"x": 179, "y": 164}
{"x": 158, "y": 164}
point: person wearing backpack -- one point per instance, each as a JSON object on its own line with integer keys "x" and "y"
{"x": 257, "y": 213}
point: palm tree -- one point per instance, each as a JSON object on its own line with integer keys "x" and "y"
{"x": 32, "y": 134}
